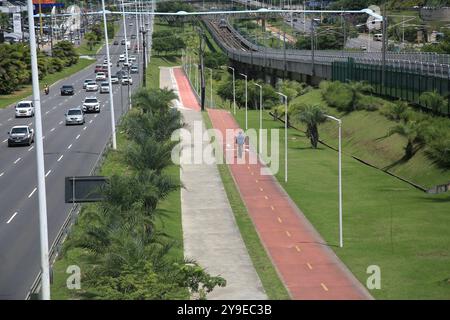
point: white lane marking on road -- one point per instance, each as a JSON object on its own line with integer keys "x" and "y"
{"x": 5, "y": 140}
{"x": 60, "y": 122}
{"x": 69, "y": 146}
{"x": 2, "y": 174}
{"x": 90, "y": 121}
{"x": 53, "y": 129}
{"x": 32, "y": 192}
{"x": 77, "y": 137}
{"x": 48, "y": 173}
{"x": 30, "y": 123}
{"x": 96, "y": 116}
{"x": 84, "y": 128}
{"x": 12, "y": 217}
{"x": 17, "y": 160}
{"x": 59, "y": 159}
{"x": 9, "y": 119}
{"x": 31, "y": 148}
{"x": 54, "y": 108}
{"x": 47, "y": 112}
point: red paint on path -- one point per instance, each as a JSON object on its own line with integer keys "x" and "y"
{"x": 308, "y": 267}
{"x": 187, "y": 97}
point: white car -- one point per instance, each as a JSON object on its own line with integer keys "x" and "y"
{"x": 86, "y": 82}
{"x": 127, "y": 79}
{"x": 104, "y": 87}
{"x": 91, "y": 104}
{"x": 105, "y": 63}
{"x": 100, "y": 76}
{"x": 122, "y": 58}
{"x": 132, "y": 58}
{"x": 114, "y": 79}
{"x": 25, "y": 109}
{"x": 91, "y": 86}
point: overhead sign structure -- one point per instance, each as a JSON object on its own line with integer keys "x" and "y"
{"x": 84, "y": 189}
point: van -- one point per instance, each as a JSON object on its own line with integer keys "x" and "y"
{"x": 378, "y": 37}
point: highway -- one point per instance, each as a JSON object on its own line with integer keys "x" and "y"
{"x": 69, "y": 151}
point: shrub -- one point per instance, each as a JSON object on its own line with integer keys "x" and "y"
{"x": 337, "y": 95}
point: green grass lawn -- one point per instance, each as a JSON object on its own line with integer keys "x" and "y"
{"x": 25, "y": 91}
{"x": 364, "y": 136}
{"x": 386, "y": 222}
{"x": 272, "y": 284}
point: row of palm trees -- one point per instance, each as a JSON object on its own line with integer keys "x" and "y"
{"x": 124, "y": 255}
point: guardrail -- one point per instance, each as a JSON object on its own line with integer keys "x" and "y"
{"x": 56, "y": 246}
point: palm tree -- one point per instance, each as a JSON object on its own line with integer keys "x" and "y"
{"x": 432, "y": 100}
{"x": 149, "y": 154}
{"x": 414, "y": 134}
{"x": 357, "y": 89}
{"x": 311, "y": 115}
{"x": 153, "y": 100}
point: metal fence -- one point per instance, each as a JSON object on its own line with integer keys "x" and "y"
{"x": 400, "y": 81}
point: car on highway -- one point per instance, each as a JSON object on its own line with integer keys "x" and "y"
{"x": 126, "y": 79}
{"x": 131, "y": 24}
{"x": 115, "y": 42}
{"x": 25, "y": 109}
{"x": 74, "y": 116}
{"x": 105, "y": 63}
{"x": 134, "y": 69}
{"x": 100, "y": 76}
{"x": 122, "y": 58}
{"x": 104, "y": 87}
{"x": 86, "y": 82}
{"x": 67, "y": 89}
{"x": 98, "y": 68}
{"x": 91, "y": 86}
{"x": 91, "y": 104}
{"x": 20, "y": 135}
{"x": 122, "y": 42}
{"x": 132, "y": 58}
{"x": 114, "y": 79}
{"x": 133, "y": 36}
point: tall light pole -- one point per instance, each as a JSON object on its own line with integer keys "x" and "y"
{"x": 211, "y": 86}
{"x": 339, "y": 121}
{"x": 126, "y": 49}
{"x": 260, "y": 116}
{"x": 111, "y": 99}
{"x": 285, "y": 133}
{"x": 43, "y": 230}
{"x": 234, "y": 92}
{"x": 137, "y": 25}
{"x": 246, "y": 109}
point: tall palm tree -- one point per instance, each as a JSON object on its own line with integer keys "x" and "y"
{"x": 311, "y": 115}
{"x": 153, "y": 100}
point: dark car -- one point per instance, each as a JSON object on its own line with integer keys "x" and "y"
{"x": 67, "y": 89}
{"x": 98, "y": 68}
{"x": 115, "y": 42}
{"x": 133, "y": 36}
{"x": 122, "y": 42}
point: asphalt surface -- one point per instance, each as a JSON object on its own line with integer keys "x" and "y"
{"x": 69, "y": 151}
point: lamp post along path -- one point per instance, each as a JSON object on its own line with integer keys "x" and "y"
{"x": 339, "y": 121}
{"x": 234, "y": 92}
{"x": 285, "y": 134}
{"x": 43, "y": 229}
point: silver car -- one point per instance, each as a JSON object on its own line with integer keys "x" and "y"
{"x": 20, "y": 135}
{"x": 25, "y": 109}
{"x": 74, "y": 116}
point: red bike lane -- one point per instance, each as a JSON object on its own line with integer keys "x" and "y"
{"x": 306, "y": 264}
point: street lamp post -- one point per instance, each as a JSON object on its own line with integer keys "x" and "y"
{"x": 108, "y": 60}
{"x": 339, "y": 121}
{"x": 126, "y": 51}
{"x": 260, "y": 116}
{"x": 246, "y": 109}
{"x": 211, "y": 87}
{"x": 285, "y": 133}
{"x": 43, "y": 230}
{"x": 234, "y": 92}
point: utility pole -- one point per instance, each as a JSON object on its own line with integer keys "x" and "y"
{"x": 201, "y": 69}
{"x": 144, "y": 59}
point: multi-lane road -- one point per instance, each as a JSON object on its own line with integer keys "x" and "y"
{"x": 69, "y": 151}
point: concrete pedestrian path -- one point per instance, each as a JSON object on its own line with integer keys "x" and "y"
{"x": 210, "y": 234}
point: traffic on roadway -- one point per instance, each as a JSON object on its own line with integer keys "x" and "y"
{"x": 76, "y": 129}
